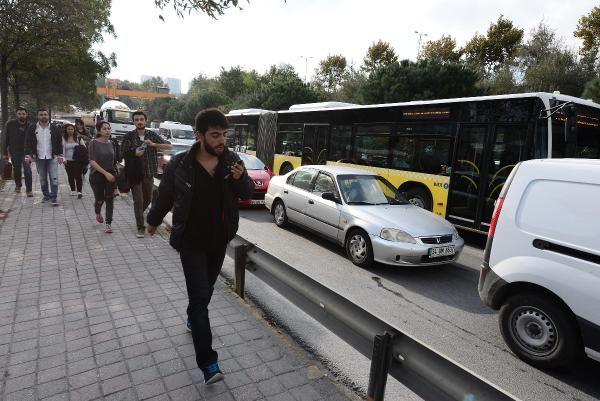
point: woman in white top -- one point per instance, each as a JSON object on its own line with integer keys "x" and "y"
{"x": 74, "y": 168}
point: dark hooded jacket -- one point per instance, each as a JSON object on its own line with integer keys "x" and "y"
{"x": 176, "y": 191}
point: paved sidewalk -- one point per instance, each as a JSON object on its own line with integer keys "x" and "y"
{"x": 86, "y": 315}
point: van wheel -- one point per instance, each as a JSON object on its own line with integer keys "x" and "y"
{"x": 359, "y": 248}
{"x": 279, "y": 214}
{"x": 419, "y": 197}
{"x": 540, "y": 331}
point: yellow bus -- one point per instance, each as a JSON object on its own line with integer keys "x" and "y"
{"x": 449, "y": 156}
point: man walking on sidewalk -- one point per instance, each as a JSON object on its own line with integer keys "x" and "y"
{"x": 140, "y": 146}
{"x": 43, "y": 143}
{"x": 13, "y": 143}
{"x": 203, "y": 184}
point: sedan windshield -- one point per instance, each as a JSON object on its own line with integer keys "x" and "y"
{"x": 251, "y": 162}
{"x": 369, "y": 190}
{"x": 183, "y": 134}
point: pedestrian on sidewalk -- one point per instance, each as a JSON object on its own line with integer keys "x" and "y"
{"x": 43, "y": 143}
{"x": 86, "y": 137}
{"x": 202, "y": 187}
{"x": 141, "y": 146}
{"x": 102, "y": 173}
{"x": 73, "y": 167}
{"x": 13, "y": 144}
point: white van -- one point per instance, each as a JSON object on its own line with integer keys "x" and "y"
{"x": 177, "y": 133}
{"x": 541, "y": 264}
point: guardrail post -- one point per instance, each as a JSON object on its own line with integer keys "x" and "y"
{"x": 380, "y": 366}
{"x": 240, "y": 259}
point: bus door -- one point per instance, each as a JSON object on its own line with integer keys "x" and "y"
{"x": 469, "y": 171}
{"x": 314, "y": 144}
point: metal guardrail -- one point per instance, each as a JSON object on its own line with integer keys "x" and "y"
{"x": 429, "y": 374}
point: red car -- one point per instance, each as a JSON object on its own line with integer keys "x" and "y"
{"x": 260, "y": 174}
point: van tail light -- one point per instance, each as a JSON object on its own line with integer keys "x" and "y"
{"x": 495, "y": 217}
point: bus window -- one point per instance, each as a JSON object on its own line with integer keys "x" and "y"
{"x": 289, "y": 140}
{"x": 341, "y": 144}
{"x": 372, "y": 145}
{"x": 508, "y": 149}
{"x": 403, "y": 153}
{"x": 588, "y": 142}
{"x": 251, "y": 141}
{"x": 433, "y": 155}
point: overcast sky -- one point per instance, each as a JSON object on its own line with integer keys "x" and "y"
{"x": 268, "y": 32}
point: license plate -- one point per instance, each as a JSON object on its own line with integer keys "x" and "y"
{"x": 257, "y": 202}
{"x": 441, "y": 251}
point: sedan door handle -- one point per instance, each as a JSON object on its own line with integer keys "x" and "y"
{"x": 285, "y": 192}
{"x": 311, "y": 202}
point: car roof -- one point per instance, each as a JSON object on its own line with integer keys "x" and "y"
{"x": 340, "y": 170}
{"x": 243, "y": 154}
{"x": 564, "y": 162}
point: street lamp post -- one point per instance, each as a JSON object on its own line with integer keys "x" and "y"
{"x": 306, "y": 58}
{"x": 420, "y": 34}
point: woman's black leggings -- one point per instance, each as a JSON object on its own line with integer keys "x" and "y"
{"x": 103, "y": 193}
{"x": 74, "y": 172}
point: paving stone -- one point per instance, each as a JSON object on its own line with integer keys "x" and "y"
{"x": 177, "y": 380}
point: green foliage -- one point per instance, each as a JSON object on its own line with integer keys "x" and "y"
{"x": 588, "y": 30}
{"x": 499, "y": 46}
{"x": 210, "y": 7}
{"x": 425, "y": 79}
{"x": 281, "y": 87}
{"x": 379, "y": 54}
{"x": 152, "y": 84}
{"x": 331, "y": 73}
{"x": 443, "y": 50}
{"x": 592, "y": 90}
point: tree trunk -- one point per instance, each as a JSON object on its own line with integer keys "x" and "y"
{"x": 4, "y": 88}
{"x": 16, "y": 93}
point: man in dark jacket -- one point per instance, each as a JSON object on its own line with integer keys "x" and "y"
{"x": 13, "y": 143}
{"x": 43, "y": 143}
{"x": 202, "y": 186}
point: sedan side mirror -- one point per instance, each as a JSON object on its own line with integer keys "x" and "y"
{"x": 330, "y": 196}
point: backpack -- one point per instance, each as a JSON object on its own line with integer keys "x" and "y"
{"x": 80, "y": 153}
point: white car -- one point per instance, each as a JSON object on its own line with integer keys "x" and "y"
{"x": 541, "y": 265}
{"x": 364, "y": 213}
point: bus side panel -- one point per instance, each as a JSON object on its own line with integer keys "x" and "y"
{"x": 438, "y": 185}
{"x": 280, "y": 159}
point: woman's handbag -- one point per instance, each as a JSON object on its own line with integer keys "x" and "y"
{"x": 7, "y": 171}
{"x": 122, "y": 183}
{"x": 80, "y": 153}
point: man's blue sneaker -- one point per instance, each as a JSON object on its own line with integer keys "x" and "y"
{"x": 212, "y": 373}
{"x": 46, "y": 199}
{"x": 188, "y": 325}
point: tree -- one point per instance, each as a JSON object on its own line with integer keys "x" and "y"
{"x": 422, "y": 80}
{"x": 151, "y": 85}
{"x": 547, "y": 65}
{"x": 237, "y": 84}
{"x": 331, "y": 73}
{"x": 210, "y": 7}
{"x": 35, "y": 33}
{"x": 202, "y": 83}
{"x": 498, "y": 47}
{"x": 281, "y": 87}
{"x": 353, "y": 86}
{"x": 379, "y": 54}
{"x": 588, "y": 30}
{"x": 592, "y": 90}
{"x": 443, "y": 50}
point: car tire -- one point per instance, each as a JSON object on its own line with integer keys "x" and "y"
{"x": 279, "y": 214}
{"x": 285, "y": 168}
{"x": 419, "y": 197}
{"x": 540, "y": 331}
{"x": 359, "y": 248}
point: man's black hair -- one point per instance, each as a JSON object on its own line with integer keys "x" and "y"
{"x": 139, "y": 113}
{"x": 43, "y": 109}
{"x": 21, "y": 108}
{"x": 212, "y": 117}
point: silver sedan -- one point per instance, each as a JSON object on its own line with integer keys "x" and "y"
{"x": 364, "y": 213}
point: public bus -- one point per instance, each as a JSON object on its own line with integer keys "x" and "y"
{"x": 449, "y": 156}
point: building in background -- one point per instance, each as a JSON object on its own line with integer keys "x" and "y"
{"x": 174, "y": 86}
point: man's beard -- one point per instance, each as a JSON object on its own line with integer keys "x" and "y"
{"x": 22, "y": 121}
{"x": 212, "y": 150}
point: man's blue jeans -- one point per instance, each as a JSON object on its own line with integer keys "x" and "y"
{"x": 48, "y": 168}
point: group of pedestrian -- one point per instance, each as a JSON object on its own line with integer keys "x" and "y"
{"x": 200, "y": 186}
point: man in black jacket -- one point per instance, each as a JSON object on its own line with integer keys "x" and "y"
{"x": 43, "y": 143}
{"x": 202, "y": 186}
{"x": 13, "y": 143}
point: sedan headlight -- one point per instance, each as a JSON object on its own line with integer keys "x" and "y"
{"x": 392, "y": 234}
{"x": 455, "y": 236}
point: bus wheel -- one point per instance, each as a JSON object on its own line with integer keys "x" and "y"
{"x": 419, "y": 197}
{"x": 285, "y": 168}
